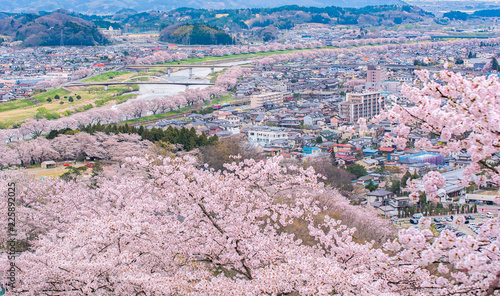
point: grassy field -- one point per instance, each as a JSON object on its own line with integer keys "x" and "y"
{"x": 214, "y": 76}
{"x": 234, "y": 56}
{"x": 222, "y": 100}
{"x": 90, "y": 95}
{"x": 157, "y": 116}
{"x": 106, "y": 76}
{"x": 50, "y": 94}
{"x": 15, "y": 105}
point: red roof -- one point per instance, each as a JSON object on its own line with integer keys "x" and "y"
{"x": 343, "y": 145}
{"x": 386, "y": 149}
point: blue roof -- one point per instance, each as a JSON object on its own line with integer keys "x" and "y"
{"x": 370, "y": 150}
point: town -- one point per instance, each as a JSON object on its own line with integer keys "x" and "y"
{"x": 225, "y": 140}
{"x": 304, "y": 110}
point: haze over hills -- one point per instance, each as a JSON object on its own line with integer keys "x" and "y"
{"x": 460, "y": 5}
{"x": 111, "y": 6}
{"x": 51, "y": 30}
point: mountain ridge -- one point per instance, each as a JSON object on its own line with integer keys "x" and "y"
{"x": 112, "y": 6}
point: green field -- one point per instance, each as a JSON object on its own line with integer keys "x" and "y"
{"x": 50, "y": 94}
{"x": 15, "y": 105}
{"x": 157, "y": 116}
{"x": 106, "y": 76}
{"x": 19, "y": 111}
{"x": 222, "y": 100}
{"x": 236, "y": 56}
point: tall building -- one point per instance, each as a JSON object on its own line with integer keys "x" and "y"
{"x": 374, "y": 76}
{"x": 361, "y": 105}
{"x": 272, "y": 97}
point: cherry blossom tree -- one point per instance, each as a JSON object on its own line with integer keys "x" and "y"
{"x": 181, "y": 229}
{"x": 463, "y": 113}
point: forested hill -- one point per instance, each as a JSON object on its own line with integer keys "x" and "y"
{"x": 195, "y": 34}
{"x": 284, "y": 17}
{"x": 51, "y": 30}
{"x": 112, "y": 6}
{"x": 193, "y": 26}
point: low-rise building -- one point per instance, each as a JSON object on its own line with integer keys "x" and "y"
{"x": 265, "y": 136}
{"x": 275, "y": 98}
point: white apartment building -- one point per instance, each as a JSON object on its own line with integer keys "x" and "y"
{"x": 263, "y": 137}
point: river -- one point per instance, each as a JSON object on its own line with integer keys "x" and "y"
{"x": 152, "y": 91}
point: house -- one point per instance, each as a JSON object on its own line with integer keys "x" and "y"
{"x": 313, "y": 131}
{"x": 385, "y": 210}
{"x": 49, "y": 164}
{"x": 310, "y": 150}
{"x": 327, "y": 134}
{"x": 290, "y": 122}
{"x": 347, "y": 160}
{"x": 314, "y": 119}
{"x": 272, "y": 151}
{"x": 370, "y": 152}
{"x": 400, "y": 202}
{"x": 387, "y": 151}
{"x": 327, "y": 146}
{"x": 362, "y": 142}
{"x": 379, "y": 195}
{"x": 368, "y": 163}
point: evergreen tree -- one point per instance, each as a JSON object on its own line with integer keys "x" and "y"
{"x": 140, "y": 131}
{"x": 202, "y": 140}
{"x": 333, "y": 158}
{"x": 494, "y": 65}
{"x": 371, "y": 186}
{"x": 405, "y": 178}
{"x": 213, "y": 140}
{"x": 357, "y": 170}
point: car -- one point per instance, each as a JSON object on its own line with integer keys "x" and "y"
{"x": 418, "y": 215}
{"x": 482, "y": 215}
{"x": 489, "y": 215}
{"x": 460, "y": 234}
{"x": 472, "y": 217}
{"x": 449, "y": 219}
{"x": 413, "y": 221}
{"x": 439, "y": 226}
{"x": 467, "y": 222}
{"x": 437, "y": 220}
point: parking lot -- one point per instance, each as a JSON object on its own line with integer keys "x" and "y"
{"x": 440, "y": 223}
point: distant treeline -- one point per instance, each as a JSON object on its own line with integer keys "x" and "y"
{"x": 197, "y": 26}
{"x": 459, "y": 15}
{"x": 186, "y": 137}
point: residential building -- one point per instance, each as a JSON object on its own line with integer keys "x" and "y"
{"x": 361, "y": 105}
{"x": 272, "y": 97}
{"x": 374, "y": 77}
{"x": 265, "y": 136}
